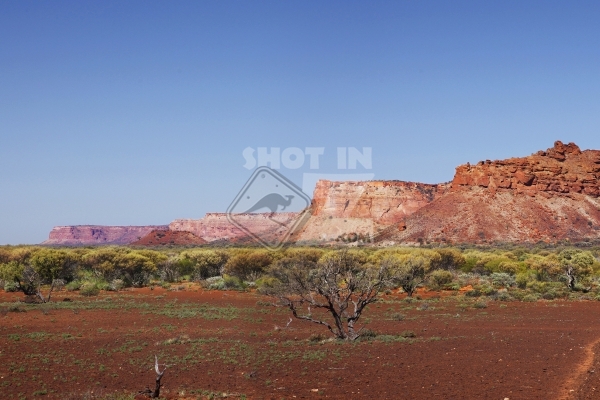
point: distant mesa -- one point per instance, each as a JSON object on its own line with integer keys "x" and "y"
{"x": 82, "y": 235}
{"x": 549, "y": 196}
{"x": 165, "y": 237}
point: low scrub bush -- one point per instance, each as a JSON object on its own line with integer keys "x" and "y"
{"x": 503, "y": 296}
{"x": 530, "y": 297}
{"x": 397, "y": 317}
{"x": 233, "y": 283}
{"x": 72, "y": 286}
{"x": 522, "y": 279}
{"x": 368, "y": 334}
{"x": 116, "y": 285}
{"x": 473, "y": 293}
{"x": 317, "y": 337}
{"x": 11, "y": 287}
{"x": 480, "y": 304}
{"x": 487, "y": 290}
{"x": 502, "y": 280}
{"x": 440, "y": 278}
{"x": 89, "y": 289}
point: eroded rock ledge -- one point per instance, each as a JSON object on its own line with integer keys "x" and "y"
{"x": 560, "y": 169}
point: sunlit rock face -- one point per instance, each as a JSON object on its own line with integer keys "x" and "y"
{"x": 81, "y": 235}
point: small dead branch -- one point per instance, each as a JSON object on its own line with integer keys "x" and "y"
{"x": 278, "y": 328}
{"x": 154, "y": 394}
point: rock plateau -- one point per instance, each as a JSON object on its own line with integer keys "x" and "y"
{"x": 549, "y": 196}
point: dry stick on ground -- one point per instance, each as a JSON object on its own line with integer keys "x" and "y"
{"x": 156, "y": 393}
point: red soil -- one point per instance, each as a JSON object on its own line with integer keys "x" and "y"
{"x": 512, "y": 350}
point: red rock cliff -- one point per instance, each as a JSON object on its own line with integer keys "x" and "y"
{"x": 560, "y": 169}
{"x": 216, "y": 226}
{"x": 384, "y": 202}
{"x": 97, "y": 235}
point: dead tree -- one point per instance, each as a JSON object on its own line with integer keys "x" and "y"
{"x": 154, "y": 394}
{"x": 340, "y": 284}
{"x": 30, "y": 283}
{"x": 570, "y": 277}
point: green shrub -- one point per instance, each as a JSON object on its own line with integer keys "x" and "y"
{"x": 165, "y": 285}
{"x": 89, "y": 289}
{"x": 266, "y": 282}
{"x": 10, "y": 286}
{"x": 233, "y": 282}
{"x": 116, "y": 285}
{"x": 72, "y": 286}
{"x": 480, "y": 304}
{"x": 503, "y": 296}
{"x": 440, "y": 278}
{"x": 397, "y": 317}
{"x": 215, "y": 283}
{"x": 550, "y": 295}
{"x": 102, "y": 285}
{"x": 368, "y": 334}
{"x": 248, "y": 265}
{"x": 522, "y": 279}
{"x": 502, "y": 280}
{"x": 536, "y": 286}
{"x": 473, "y": 293}
{"x": 487, "y": 290}
{"x": 530, "y": 297}
{"x": 316, "y": 338}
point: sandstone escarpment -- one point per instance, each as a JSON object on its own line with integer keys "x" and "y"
{"x": 216, "y": 226}
{"x": 549, "y": 196}
{"x": 384, "y": 202}
{"x": 81, "y": 235}
{"x": 476, "y": 215}
{"x": 341, "y": 208}
{"x": 165, "y": 237}
{"x": 560, "y": 169}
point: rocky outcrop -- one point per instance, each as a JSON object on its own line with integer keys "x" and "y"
{"x": 169, "y": 238}
{"x": 478, "y": 215}
{"x": 216, "y": 227}
{"x": 549, "y": 196}
{"x": 384, "y": 202}
{"x": 81, "y": 235}
{"x": 342, "y": 208}
{"x": 560, "y": 169}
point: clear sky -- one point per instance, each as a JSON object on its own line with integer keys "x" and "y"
{"x": 137, "y": 112}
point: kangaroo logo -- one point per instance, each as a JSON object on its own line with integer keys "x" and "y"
{"x": 269, "y": 197}
{"x": 272, "y": 202}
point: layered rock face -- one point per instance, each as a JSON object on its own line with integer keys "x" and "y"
{"x": 340, "y": 208}
{"x": 169, "y": 238}
{"x": 560, "y": 169}
{"x": 384, "y": 202}
{"x": 216, "y": 226}
{"x": 549, "y": 196}
{"x": 477, "y": 215}
{"x": 98, "y": 235}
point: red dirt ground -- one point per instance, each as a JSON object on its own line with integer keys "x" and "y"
{"x": 226, "y": 342}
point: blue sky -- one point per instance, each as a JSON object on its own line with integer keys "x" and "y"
{"x": 134, "y": 113}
